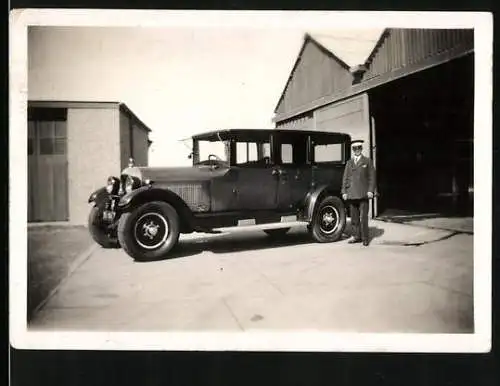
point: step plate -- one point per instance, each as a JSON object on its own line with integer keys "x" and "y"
{"x": 249, "y": 225}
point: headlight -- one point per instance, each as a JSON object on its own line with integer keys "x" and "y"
{"x": 112, "y": 185}
{"x": 131, "y": 183}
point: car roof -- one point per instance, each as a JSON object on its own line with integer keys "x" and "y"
{"x": 225, "y": 134}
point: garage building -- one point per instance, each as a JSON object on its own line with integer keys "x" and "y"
{"x": 411, "y": 100}
{"x": 72, "y": 148}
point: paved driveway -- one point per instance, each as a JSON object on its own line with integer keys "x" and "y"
{"x": 247, "y": 281}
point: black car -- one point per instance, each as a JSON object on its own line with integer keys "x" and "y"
{"x": 240, "y": 179}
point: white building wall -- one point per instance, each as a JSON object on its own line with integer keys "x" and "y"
{"x": 93, "y": 155}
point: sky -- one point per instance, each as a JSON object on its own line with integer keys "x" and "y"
{"x": 178, "y": 80}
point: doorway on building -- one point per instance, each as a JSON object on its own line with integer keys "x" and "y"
{"x": 47, "y": 165}
{"x": 424, "y": 127}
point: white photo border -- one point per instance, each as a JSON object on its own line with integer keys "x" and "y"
{"x": 22, "y": 338}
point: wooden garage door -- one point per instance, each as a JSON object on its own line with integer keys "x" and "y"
{"x": 47, "y": 170}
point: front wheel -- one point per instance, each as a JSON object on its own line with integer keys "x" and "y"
{"x": 150, "y": 231}
{"x": 329, "y": 220}
{"x": 98, "y": 231}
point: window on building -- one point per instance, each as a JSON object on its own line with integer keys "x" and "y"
{"x": 31, "y": 137}
{"x": 47, "y": 131}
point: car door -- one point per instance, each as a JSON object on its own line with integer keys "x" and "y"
{"x": 256, "y": 184}
{"x": 292, "y": 169}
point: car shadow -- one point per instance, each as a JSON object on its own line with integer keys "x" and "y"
{"x": 231, "y": 243}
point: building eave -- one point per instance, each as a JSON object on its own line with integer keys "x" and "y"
{"x": 330, "y": 53}
{"x": 123, "y": 107}
{"x": 71, "y": 104}
{"x": 297, "y": 60}
{"x": 308, "y": 38}
{"x": 371, "y": 83}
{"x": 385, "y": 33}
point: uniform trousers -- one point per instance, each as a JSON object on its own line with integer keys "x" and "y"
{"x": 359, "y": 219}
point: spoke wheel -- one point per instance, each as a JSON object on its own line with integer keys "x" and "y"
{"x": 150, "y": 231}
{"x": 329, "y": 220}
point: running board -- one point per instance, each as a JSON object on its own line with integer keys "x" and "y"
{"x": 243, "y": 227}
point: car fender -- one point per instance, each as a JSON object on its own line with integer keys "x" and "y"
{"x": 148, "y": 193}
{"x": 99, "y": 197}
{"x": 314, "y": 197}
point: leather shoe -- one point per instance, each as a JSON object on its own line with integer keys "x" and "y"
{"x": 354, "y": 241}
{"x": 365, "y": 243}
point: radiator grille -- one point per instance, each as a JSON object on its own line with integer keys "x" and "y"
{"x": 196, "y": 196}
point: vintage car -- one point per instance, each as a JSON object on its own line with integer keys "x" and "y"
{"x": 240, "y": 179}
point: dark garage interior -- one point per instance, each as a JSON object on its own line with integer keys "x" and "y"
{"x": 424, "y": 130}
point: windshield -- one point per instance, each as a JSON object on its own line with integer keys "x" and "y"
{"x": 207, "y": 152}
{"x": 219, "y": 149}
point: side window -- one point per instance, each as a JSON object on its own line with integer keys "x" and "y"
{"x": 328, "y": 153}
{"x": 293, "y": 151}
{"x": 253, "y": 153}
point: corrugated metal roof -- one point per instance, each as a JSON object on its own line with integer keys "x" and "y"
{"x": 351, "y": 46}
{"x": 410, "y": 51}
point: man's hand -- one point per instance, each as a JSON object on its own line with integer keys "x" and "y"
{"x": 370, "y": 195}
{"x": 344, "y": 196}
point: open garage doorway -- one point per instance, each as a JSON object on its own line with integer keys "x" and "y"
{"x": 423, "y": 126}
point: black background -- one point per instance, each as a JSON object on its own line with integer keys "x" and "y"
{"x": 74, "y": 368}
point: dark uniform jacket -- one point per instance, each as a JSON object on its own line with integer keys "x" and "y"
{"x": 359, "y": 179}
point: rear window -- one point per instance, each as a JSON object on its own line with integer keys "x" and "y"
{"x": 328, "y": 153}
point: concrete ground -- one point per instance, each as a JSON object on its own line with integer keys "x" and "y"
{"x": 47, "y": 266}
{"x": 462, "y": 224}
{"x": 410, "y": 279}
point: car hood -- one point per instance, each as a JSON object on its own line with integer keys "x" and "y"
{"x": 174, "y": 174}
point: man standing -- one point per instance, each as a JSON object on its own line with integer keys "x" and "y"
{"x": 358, "y": 186}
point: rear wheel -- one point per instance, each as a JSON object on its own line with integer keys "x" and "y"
{"x": 150, "y": 231}
{"x": 329, "y": 220}
{"x": 275, "y": 233}
{"x": 98, "y": 230}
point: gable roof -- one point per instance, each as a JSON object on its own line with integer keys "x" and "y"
{"x": 352, "y": 47}
{"x": 332, "y": 44}
{"x": 385, "y": 33}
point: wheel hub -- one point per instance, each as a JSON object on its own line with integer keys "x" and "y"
{"x": 150, "y": 229}
{"x": 328, "y": 218}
